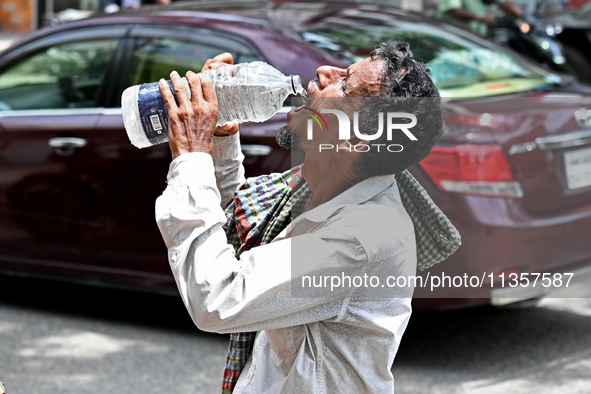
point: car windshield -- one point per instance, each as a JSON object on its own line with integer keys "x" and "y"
{"x": 461, "y": 66}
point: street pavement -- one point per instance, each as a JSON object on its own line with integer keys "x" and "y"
{"x": 57, "y": 337}
{"x": 71, "y": 339}
{"x": 543, "y": 350}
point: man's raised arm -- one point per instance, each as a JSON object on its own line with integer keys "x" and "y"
{"x": 227, "y": 155}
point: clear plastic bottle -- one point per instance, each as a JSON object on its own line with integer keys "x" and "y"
{"x": 251, "y": 92}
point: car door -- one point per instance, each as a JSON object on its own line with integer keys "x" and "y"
{"x": 134, "y": 178}
{"x": 52, "y": 91}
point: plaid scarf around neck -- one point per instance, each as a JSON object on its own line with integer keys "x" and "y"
{"x": 264, "y": 206}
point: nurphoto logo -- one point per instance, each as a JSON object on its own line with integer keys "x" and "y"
{"x": 393, "y": 124}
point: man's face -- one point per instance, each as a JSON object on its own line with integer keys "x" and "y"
{"x": 361, "y": 79}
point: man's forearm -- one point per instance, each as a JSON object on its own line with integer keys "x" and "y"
{"x": 229, "y": 172}
{"x": 190, "y": 221}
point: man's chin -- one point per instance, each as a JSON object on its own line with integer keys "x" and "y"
{"x": 288, "y": 140}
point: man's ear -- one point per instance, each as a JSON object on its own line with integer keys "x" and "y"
{"x": 345, "y": 145}
{"x": 359, "y": 145}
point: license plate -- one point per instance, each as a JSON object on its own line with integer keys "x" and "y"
{"x": 577, "y": 164}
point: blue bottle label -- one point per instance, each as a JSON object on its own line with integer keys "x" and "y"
{"x": 153, "y": 112}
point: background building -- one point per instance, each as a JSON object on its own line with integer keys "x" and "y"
{"x": 18, "y": 15}
{"x": 23, "y": 16}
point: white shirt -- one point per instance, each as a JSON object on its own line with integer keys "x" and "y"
{"x": 314, "y": 340}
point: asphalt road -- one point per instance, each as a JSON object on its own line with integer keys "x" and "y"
{"x": 64, "y": 338}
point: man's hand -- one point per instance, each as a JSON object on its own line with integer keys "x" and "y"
{"x": 192, "y": 122}
{"x": 220, "y": 61}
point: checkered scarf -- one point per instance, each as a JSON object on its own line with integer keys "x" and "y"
{"x": 264, "y": 206}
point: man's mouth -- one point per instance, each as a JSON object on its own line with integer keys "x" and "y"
{"x": 302, "y": 102}
{"x": 314, "y": 83}
{"x": 299, "y": 103}
{"x": 298, "y": 108}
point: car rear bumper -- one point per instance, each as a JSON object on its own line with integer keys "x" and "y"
{"x": 579, "y": 285}
{"x": 500, "y": 237}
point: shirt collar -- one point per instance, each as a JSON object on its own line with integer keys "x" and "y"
{"x": 355, "y": 195}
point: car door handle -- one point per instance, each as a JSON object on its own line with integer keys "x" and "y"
{"x": 67, "y": 142}
{"x": 256, "y": 150}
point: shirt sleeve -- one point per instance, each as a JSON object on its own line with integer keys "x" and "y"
{"x": 229, "y": 172}
{"x": 223, "y": 294}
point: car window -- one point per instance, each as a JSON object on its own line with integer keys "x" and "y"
{"x": 62, "y": 76}
{"x": 461, "y": 67}
{"x": 155, "y": 58}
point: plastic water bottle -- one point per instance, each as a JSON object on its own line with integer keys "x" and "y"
{"x": 251, "y": 92}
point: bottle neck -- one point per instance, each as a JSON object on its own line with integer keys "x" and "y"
{"x": 296, "y": 84}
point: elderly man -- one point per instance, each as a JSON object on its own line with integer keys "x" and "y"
{"x": 341, "y": 215}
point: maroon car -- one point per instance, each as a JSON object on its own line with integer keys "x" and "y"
{"x": 512, "y": 172}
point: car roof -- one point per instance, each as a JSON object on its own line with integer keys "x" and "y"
{"x": 244, "y": 11}
{"x": 251, "y": 20}
{"x": 277, "y": 14}
{"x": 258, "y": 10}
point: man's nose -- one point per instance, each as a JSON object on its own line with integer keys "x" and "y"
{"x": 328, "y": 75}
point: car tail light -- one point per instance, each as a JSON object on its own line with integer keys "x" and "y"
{"x": 472, "y": 169}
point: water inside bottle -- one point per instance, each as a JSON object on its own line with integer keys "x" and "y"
{"x": 304, "y": 95}
{"x": 252, "y": 102}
